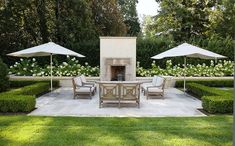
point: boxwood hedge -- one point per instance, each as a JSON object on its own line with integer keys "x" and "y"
{"x": 23, "y": 99}
{"x": 214, "y": 100}
{"x": 209, "y": 82}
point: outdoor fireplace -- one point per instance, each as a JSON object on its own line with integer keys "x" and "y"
{"x": 117, "y": 58}
{"x": 118, "y": 73}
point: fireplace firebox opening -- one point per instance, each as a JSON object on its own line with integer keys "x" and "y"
{"x": 118, "y": 73}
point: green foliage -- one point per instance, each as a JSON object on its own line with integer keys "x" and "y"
{"x": 75, "y": 24}
{"x": 33, "y": 89}
{"x": 222, "y": 68}
{"x": 17, "y": 103}
{"x": 146, "y": 48}
{"x": 4, "y": 80}
{"x": 214, "y": 100}
{"x": 209, "y": 82}
{"x": 108, "y": 18}
{"x": 22, "y": 83}
{"x": 69, "y": 68}
{"x": 193, "y": 18}
{"x": 129, "y": 12}
{"x": 22, "y": 99}
{"x": 217, "y": 104}
{"x": 116, "y": 131}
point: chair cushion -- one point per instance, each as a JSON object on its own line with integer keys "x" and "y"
{"x": 155, "y": 90}
{"x": 88, "y": 85}
{"x": 83, "y": 78}
{"x": 84, "y": 90}
{"x": 145, "y": 85}
{"x": 154, "y": 81}
{"x": 78, "y": 81}
{"x": 160, "y": 81}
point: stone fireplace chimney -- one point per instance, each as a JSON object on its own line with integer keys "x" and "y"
{"x": 117, "y": 58}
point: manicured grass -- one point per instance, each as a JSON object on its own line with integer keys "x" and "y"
{"x": 199, "y": 131}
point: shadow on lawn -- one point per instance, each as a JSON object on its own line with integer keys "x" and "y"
{"x": 125, "y": 131}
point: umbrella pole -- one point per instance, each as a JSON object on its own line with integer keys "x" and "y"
{"x": 51, "y": 70}
{"x": 184, "y": 73}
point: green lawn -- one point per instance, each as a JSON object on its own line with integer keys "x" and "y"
{"x": 69, "y": 131}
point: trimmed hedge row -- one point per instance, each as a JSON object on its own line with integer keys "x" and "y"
{"x": 33, "y": 89}
{"x": 17, "y": 103}
{"x": 21, "y": 83}
{"x": 210, "y": 83}
{"x": 23, "y": 99}
{"x": 214, "y": 100}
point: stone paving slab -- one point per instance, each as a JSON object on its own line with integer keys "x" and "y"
{"x": 61, "y": 103}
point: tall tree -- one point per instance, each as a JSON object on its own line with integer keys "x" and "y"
{"x": 108, "y": 18}
{"x": 184, "y": 18}
{"x": 129, "y": 12}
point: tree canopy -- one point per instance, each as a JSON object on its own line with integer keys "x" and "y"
{"x": 193, "y": 18}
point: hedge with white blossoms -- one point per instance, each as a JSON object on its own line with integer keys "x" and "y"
{"x": 222, "y": 68}
{"x": 30, "y": 67}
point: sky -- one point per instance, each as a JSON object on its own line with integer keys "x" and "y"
{"x": 147, "y": 7}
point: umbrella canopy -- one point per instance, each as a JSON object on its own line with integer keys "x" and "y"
{"x": 45, "y": 50}
{"x": 188, "y": 50}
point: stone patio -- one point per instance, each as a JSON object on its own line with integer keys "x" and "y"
{"x": 61, "y": 103}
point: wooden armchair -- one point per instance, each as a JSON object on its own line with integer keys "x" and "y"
{"x": 156, "y": 89}
{"x": 80, "y": 90}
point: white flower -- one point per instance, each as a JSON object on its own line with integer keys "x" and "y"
{"x": 86, "y": 63}
{"x": 21, "y": 59}
{"x": 34, "y": 59}
{"x": 24, "y": 68}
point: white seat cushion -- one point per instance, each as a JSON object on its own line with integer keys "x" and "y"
{"x": 154, "y": 81}
{"x": 78, "y": 81}
{"x": 155, "y": 90}
{"x": 84, "y": 90}
{"x": 88, "y": 85}
{"x": 83, "y": 78}
{"x": 160, "y": 81}
{"x": 145, "y": 85}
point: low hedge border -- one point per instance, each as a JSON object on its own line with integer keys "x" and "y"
{"x": 210, "y": 83}
{"x": 23, "y": 99}
{"x": 17, "y": 103}
{"x": 214, "y": 100}
{"x": 21, "y": 83}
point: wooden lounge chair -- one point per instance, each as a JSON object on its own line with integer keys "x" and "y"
{"x": 156, "y": 89}
{"x": 85, "y": 83}
{"x": 80, "y": 90}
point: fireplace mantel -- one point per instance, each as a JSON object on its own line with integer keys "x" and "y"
{"x": 117, "y": 51}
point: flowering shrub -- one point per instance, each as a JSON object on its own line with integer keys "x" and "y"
{"x": 30, "y": 67}
{"x": 222, "y": 68}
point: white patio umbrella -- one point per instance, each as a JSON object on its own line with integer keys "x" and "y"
{"x": 188, "y": 50}
{"x": 47, "y": 49}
